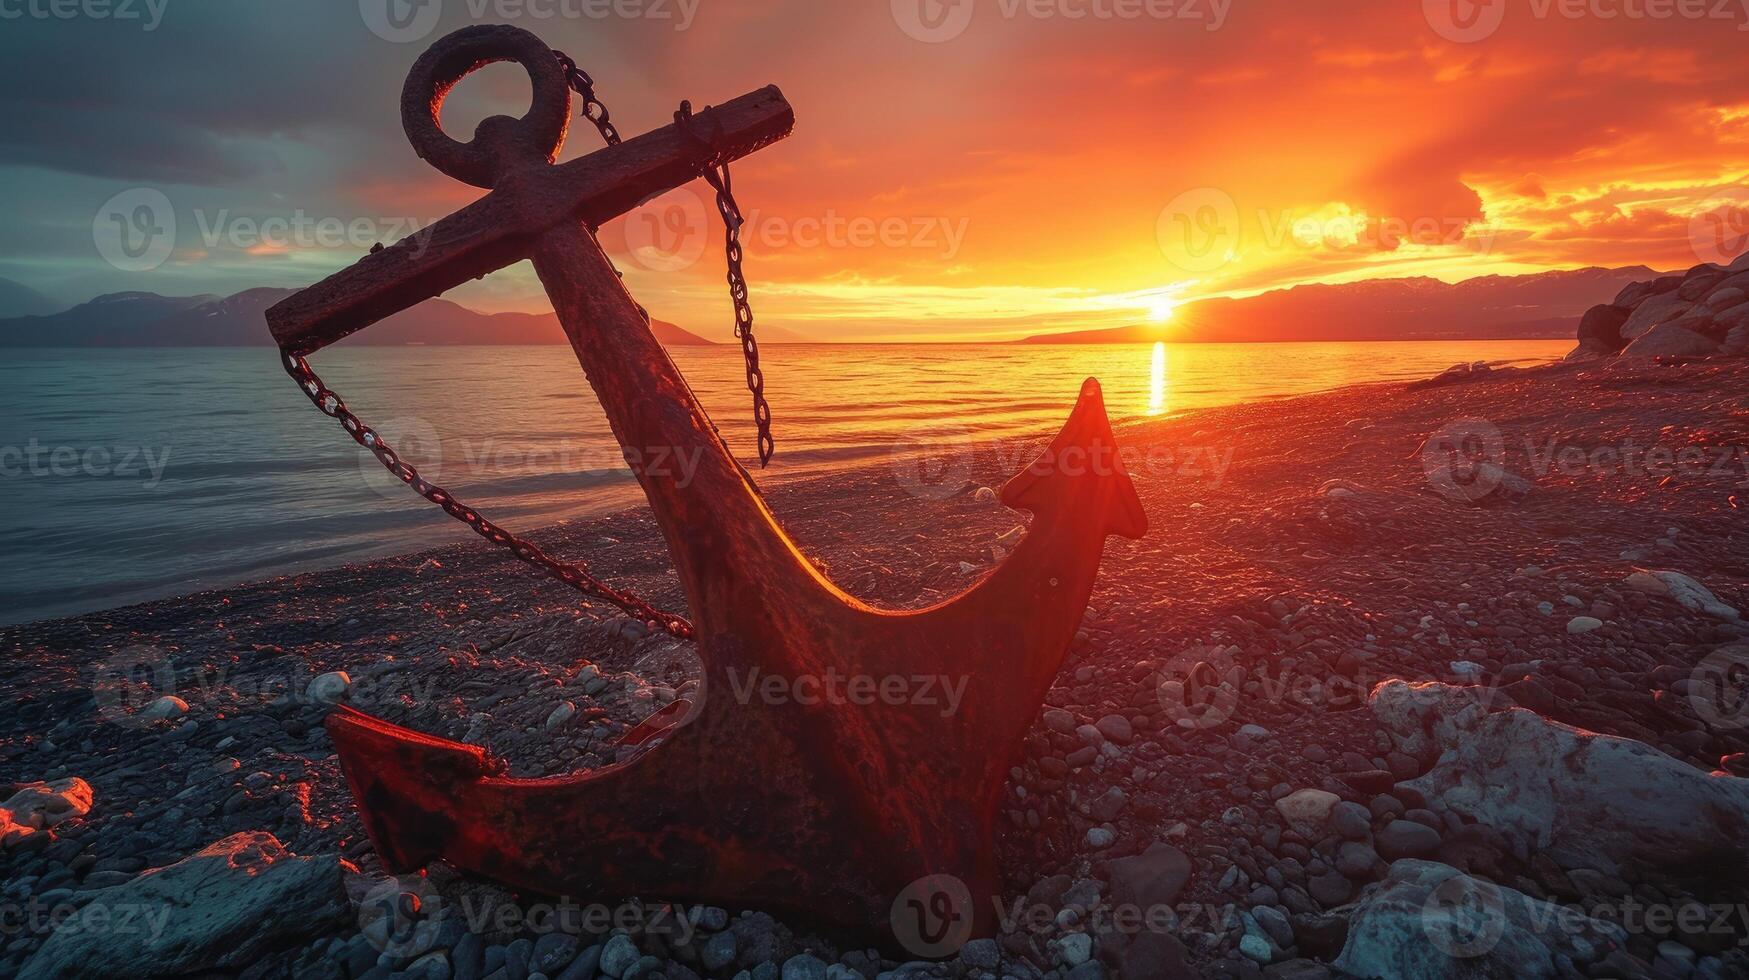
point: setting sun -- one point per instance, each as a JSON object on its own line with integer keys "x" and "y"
{"x": 1161, "y": 310}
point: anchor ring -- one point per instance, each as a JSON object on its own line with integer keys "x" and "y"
{"x": 500, "y": 143}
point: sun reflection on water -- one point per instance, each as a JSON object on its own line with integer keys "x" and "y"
{"x": 1157, "y": 381}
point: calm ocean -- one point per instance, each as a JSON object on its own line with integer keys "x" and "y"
{"x": 136, "y": 474}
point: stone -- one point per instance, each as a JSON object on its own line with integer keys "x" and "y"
{"x": 1330, "y": 889}
{"x": 552, "y": 953}
{"x": 1116, "y": 728}
{"x": 1600, "y": 327}
{"x": 218, "y": 909}
{"x": 561, "y": 715}
{"x": 1684, "y": 591}
{"x": 1351, "y": 820}
{"x": 166, "y": 707}
{"x": 35, "y": 806}
{"x": 1670, "y": 340}
{"x": 330, "y": 688}
{"x": 1148, "y": 953}
{"x": 1150, "y": 879}
{"x": 804, "y": 967}
{"x": 1407, "y": 838}
{"x": 1586, "y": 800}
{"x": 1737, "y": 340}
{"x": 1723, "y": 298}
{"x": 1307, "y": 810}
{"x": 618, "y": 956}
{"x": 1584, "y": 624}
{"x": 1651, "y": 312}
{"x": 1432, "y": 920}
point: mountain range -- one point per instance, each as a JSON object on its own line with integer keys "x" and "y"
{"x": 149, "y": 320}
{"x": 1544, "y": 304}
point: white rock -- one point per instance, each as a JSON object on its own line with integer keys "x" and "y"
{"x": 1432, "y": 920}
{"x": 1467, "y": 670}
{"x": 1583, "y": 624}
{"x": 1306, "y": 810}
{"x": 1077, "y": 948}
{"x": 168, "y": 706}
{"x": 1099, "y": 837}
{"x": 1687, "y": 593}
{"x": 330, "y": 688}
{"x": 39, "y": 805}
{"x": 219, "y": 909}
{"x": 1586, "y": 800}
{"x": 561, "y": 715}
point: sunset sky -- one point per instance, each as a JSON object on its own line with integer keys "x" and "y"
{"x": 979, "y": 169}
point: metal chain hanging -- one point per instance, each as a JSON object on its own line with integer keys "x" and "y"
{"x": 717, "y": 175}
{"x": 574, "y": 574}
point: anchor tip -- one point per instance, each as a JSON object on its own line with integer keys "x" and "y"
{"x": 1082, "y": 468}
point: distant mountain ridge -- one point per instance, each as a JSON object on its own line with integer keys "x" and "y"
{"x": 137, "y": 319}
{"x": 1538, "y": 305}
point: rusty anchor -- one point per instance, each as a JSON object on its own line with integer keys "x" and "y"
{"x": 837, "y": 810}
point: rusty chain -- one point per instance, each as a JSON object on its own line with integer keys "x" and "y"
{"x": 574, "y": 574}
{"x": 716, "y": 174}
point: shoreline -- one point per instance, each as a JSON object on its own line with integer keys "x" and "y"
{"x": 623, "y": 499}
{"x": 1297, "y": 545}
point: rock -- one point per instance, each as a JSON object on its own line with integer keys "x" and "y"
{"x": 1330, "y": 889}
{"x": 35, "y": 806}
{"x": 219, "y": 909}
{"x": 618, "y": 956}
{"x": 1584, "y": 799}
{"x": 1150, "y": 879}
{"x": 1116, "y": 728}
{"x": 1407, "y": 839}
{"x": 1724, "y": 298}
{"x": 168, "y": 706}
{"x": 1651, "y": 312}
{"x": 981, "y": 954}
{"x": 1098, "y": 838}
{"x": 330, "y": 688}
{"x": 1306, "y": 810}
{"x": 804, "y": 967}
{"x": 1685, "y": 591}
{"x": 1583, "y": 624}
{"x": 1148, "y": 953}
{"x": 1431, "y": 920}
{"x": 984, "y": 495}
{"x": 1600, "y": 328}
{"x": 552, "y": 953}
{"x": 1670, "y": 339}
{"x": 1737, "y": 340}
{"x": 1351, "y": 820}
{"x": 561, "y": 715}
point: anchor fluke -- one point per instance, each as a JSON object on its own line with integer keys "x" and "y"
{"x": 1082, "y": 469}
